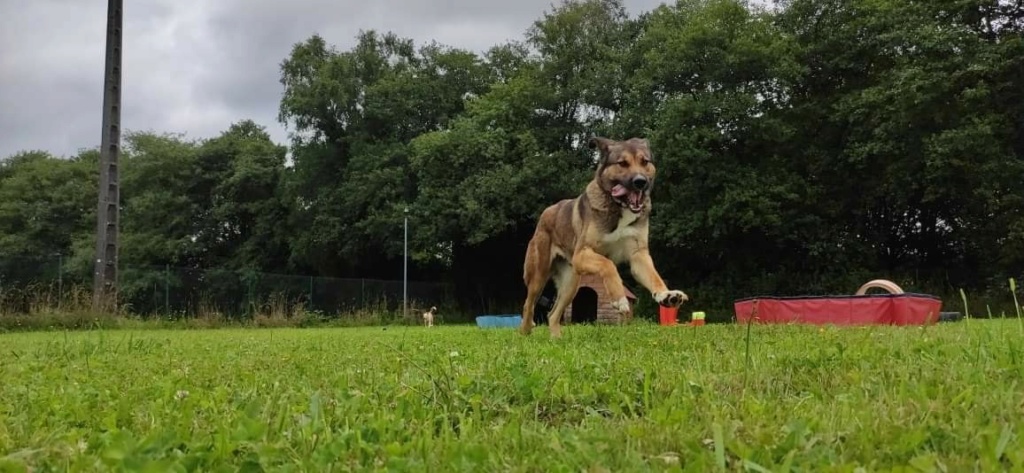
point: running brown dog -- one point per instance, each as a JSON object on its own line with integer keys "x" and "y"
{"x": 590, "y": 234}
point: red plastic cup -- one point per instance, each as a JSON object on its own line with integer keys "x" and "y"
{"x": 668, "y": 315}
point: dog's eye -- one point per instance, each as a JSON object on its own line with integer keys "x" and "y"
{"x": 644, "y": 162}
{"x": 623, "y": 164}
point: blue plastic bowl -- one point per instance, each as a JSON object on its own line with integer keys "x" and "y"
{"x": 499, "y": 321}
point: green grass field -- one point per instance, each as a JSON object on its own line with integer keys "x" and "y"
{"x": 637, "y": 398}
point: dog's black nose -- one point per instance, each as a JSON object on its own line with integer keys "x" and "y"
{"x": 639, "y": 182}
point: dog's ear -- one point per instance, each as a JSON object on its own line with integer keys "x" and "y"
{"x": 603, "y": 145}
{"x": 600, "y": 143}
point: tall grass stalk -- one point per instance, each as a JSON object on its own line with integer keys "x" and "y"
{"x": 1016, "y": 304}
{"x": 967, "y": 310}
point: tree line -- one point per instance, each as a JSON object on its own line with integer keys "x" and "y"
{"x": 801, "y": 149}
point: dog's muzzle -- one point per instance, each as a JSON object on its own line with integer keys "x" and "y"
{"x": 640, "y": 182}
{"x": 633, "y": 196}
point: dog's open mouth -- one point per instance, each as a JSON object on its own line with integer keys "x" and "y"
{"x": 634, "y": 200}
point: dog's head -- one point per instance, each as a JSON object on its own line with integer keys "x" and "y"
{"x": 433, "y": 309}
{"x": 625, "y": 170}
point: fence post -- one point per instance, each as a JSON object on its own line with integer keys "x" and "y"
{"x": 167, "y": 289}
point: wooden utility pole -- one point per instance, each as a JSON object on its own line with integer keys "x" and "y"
{"x": 108, "y": 208}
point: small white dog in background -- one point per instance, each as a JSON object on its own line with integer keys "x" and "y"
{"x": 428, "y": 316}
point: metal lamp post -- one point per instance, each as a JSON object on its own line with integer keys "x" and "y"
{"x": 405, "y": 269}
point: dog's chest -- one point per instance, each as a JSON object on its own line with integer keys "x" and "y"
{"x": 620, "y": 238}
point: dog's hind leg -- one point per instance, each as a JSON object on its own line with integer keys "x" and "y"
{"x": 567, "y": 282}
{"x": 536, "y": 271}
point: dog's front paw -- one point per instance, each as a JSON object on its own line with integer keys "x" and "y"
{"x": 621, "y": 305}
{"x": 671, "y": 298}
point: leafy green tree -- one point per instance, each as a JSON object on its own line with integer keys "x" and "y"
{"x": 44, "y": 203}
{"x": 519, "y": 147}
{"x": 355, "y": 113}
{"x": 238, "y": 189}
{"x": 801, "y": 149}
{"x": 710, "y": 94}
{"x": 915, "y": 126}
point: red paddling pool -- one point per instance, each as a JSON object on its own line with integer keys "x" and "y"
{"x": 896, "y": 308}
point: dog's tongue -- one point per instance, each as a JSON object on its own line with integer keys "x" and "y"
{"x": 619, "y": 190}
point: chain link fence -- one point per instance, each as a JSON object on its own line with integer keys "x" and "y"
{"x": 27, "y": 285}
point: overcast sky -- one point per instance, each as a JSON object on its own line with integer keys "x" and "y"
{"x": 196, "y": 66}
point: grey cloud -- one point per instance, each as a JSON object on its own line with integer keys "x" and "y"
{"x": 196, "y": 66}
